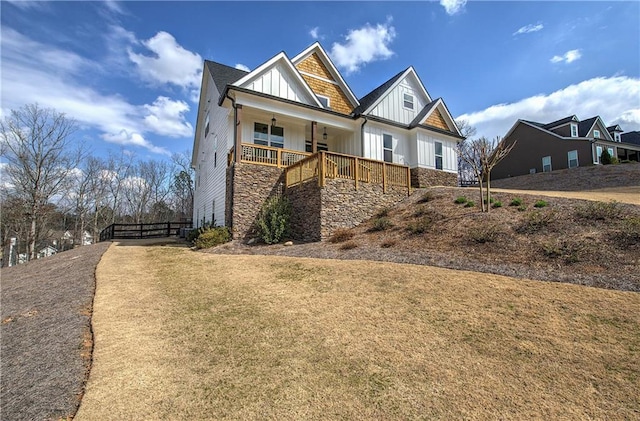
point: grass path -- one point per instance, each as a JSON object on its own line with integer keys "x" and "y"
{"x": 186, "y": 335}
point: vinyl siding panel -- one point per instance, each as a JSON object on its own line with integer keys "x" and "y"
{"x": 294, "y": 134}
{"x": 279, "y": 81}
{"x": 391, "y": 107}
{"x": 426, "y": 152}
{"x": 373, "y": 143}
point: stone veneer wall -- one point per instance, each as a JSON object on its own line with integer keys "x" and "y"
{"x": 319, "y": 212}
{"x": 305, "y": 202}
{"x": 426, "y": 177}
{"x": 252, "y": 186}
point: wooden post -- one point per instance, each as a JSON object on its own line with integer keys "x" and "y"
{"x": 321, "y": 169}
{"x": 113, "y": 231}
{"x": 314, "y": 136}
{"x": 384, "y": 177}
{"x": 238, "y": 139}
{"x": 279, "y": 158}
{"x": 408, "y": 181}
{"x": 355, "y": 171}
{"x": 168, "y": 229}
{"x": 300, "y": 179}
{"x": 141, "y": 230}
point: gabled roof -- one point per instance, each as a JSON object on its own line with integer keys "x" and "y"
{"x": 430, "y": 108}
{"x": 423, "y": 113}
{"x": 223, "y": 75}
{"x": 560, "y": 122}
{"x": 389, "y": 86}
{"x": 616, "y": 128}
{"x": 369, "y": 99}
{"x": 317, "y": 48}
{"x": 280, "y": 57}
{"x": 585, "y": 126}
{"x": 631, "y": 137}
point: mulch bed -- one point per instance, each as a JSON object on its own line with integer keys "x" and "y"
{"x": 46, "y": 334}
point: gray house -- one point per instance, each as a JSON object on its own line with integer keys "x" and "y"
{"x": 565, "y": 143}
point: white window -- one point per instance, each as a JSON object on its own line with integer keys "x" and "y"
{"x": 387, "y": 147}
{"x": 206, "y": 126}
{"x": 438, "y": 155}
{"x": 546, "y": 164}
{"x": 266, "y": 135}
{"x": 324, "y": 100}
{"x": 408, "y": 101}
{"x": 616, "y": 136}
{"x": 574, "y": 130}
{"x": 598, "y": 153}
{"x": 572, "y": 156}
{"x": 596, "y": 134}
{"x": 611, "y": 152}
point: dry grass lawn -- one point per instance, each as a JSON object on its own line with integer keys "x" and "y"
{"x": 619, "y": 194}
{"x": 187, "y": 335}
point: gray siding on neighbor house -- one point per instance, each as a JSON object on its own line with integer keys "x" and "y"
{"x": 563, "y": 130}
{"x": 532, "y": 145}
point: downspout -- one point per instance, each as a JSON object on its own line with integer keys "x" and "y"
{"x": 362, "y": 136}
{"x": 233, "y": 166}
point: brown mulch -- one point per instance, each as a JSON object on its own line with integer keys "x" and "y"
{"x": 46, "y": 334}
{"x": 594, "y": 255}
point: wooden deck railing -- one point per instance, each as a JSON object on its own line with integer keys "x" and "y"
{"x": 323, "y": 165}
{"x": 266, "y": 155}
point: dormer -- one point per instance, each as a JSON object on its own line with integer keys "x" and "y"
{"x": 615, "y": 132}
{"x": 566, "y": 127}
{"x": 574, "y": 129}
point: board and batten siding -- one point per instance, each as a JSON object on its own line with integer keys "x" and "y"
{"x": 211, "y": 167}
{"x": 294, "y": 134}
{"x": 279, "y": 81}
{"x": 426, "y": 152}
{"x": 373, "y": 143}
{"x": 392, "y": 105}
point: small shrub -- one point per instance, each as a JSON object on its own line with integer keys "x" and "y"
{"x": 212, "y": 237}
{"x": 522, "y": 208}
{"x": 569, "y": 251}
{"x": 388, "y": 244}
{"x": 516, "y": 202}
{"x": 427, "y": 197}
{"x": 421, "y": 226}
{"x": 348, "y": 245}
{"x": 381, "y": 224}
{"x": 460, "y": 200}
{"x": 485, "y": 234}
{"x": 382, "y": 213}
{"x": 615, "y": 161}
{"x": 341, "y": 235}
{"x": 273, "y": 219}
{"x": 599, "y": 211}
{"x": 605, "y": 157}
{"x": 193, "y": 234}
{"x": 469, "y": 204}
{"x": 535, "y": 221}
{"x": 629, "y": 234}
{"x": 540, "y": 204}
{"x": 497, "y": 204}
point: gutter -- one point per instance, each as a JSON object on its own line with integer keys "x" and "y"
{"x": 362, "y": 135}
{"x": 235, "y": 133}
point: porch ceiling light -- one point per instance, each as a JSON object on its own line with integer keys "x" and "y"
{"x": 324, "y": 134}
{"x": 273, "y": 121}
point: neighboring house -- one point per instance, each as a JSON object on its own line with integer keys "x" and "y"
{"x": 565, "y": 143}
{"x": 295, "y": 120}
{"x": 47, "y": 251}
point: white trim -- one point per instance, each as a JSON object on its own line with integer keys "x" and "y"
{"x": 316, "y": 47}
{"x": 327, "y": 98}
{"x": 279, "y": 57}
{"x": 606, "y": 132}
{"x": 569, "y": 159}
{"x": 413, "y": 101}
{"x": 324, "y": 79}
{"x": 407, "y": 72}
{"x": 574, "y": 126}
{"x": 574, "y": 119}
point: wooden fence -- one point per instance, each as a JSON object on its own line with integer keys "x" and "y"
{"x": 323, "y": 165}
{"x": 266, "y": 155}
{"x": 139, "y": 231}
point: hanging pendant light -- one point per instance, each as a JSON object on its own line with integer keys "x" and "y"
{"x": 273, "y": 121}
{"x": 324, "y": 134}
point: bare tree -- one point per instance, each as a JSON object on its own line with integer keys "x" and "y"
{"x": 40, "y": 155}
{"x": 182, "y": 184}
{"x": 482, "y": 155}
{"x": 465, "y": 172}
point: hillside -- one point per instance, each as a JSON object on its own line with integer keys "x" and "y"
{"x": 568, "y": 240}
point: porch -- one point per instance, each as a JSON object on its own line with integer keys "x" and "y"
{"x": 300, "y": 167}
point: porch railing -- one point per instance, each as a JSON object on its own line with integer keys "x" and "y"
{"x": 266, "y": 155}
{"x": 323, "y": 165}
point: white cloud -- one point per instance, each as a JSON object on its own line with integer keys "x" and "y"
{"x": 170, "y": 62}
{"x": 114, "y": 6}
{"x": 615, "y": 99}
{"x": 453, "y": 7}
{"x": 364, "y": 45}
{"x": 57, "y": 85}
{"x": 568, "y": 57}
{"x": 27, "y": 4}
{"x": 314, "y": 32}
{"x": 242, "y": 67}
{"x": 529, "y": 28}
{"x": 166, "y": 117}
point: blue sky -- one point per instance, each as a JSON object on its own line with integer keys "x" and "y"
{"x": 129, "y": 72}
